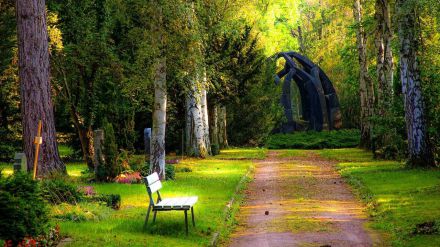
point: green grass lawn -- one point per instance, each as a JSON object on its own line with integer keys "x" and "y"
{"x": 242, "y": 153}
{"x": 398, "y": 198}
{"x": 213, "y": 180}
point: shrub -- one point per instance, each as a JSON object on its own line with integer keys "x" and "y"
{"x": 315, "y": 140}
{"x": 58, "y": 190}
{"x": 170, "y": 172}
{"x": 129, "y": 178}
{"x": 112, "y": 200}
{"x": 110, "y": 169}
{"x": 22, "y": 208}
{"x": 215, "y": 149}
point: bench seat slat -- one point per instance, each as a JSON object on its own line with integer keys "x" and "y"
{"x": 177, "y": 203}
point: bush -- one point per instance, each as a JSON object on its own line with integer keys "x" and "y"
{"x": 22, "y": 208}
{"x": 315, "y": 140}
{"x": 112, "y": 200}
{"x": 215, "y": 149}
{"x": 170, "y": 172}
{"x": 58, "y": 190}
{"x": 110, "y": 169}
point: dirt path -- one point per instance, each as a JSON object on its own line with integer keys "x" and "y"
{"x": 308, "y": 204}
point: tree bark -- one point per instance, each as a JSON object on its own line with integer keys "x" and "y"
{"x": 366, "y": 88}
{"x": 384, "y": 57}
{"x": 205, "y": 117}
{"x": 195, "y": 129}
{"x": 157, "y": 157}
{"x": 214, "y": 130}
{"x": 85, "y": 135}
{"x": 36, "y": 101}
{"x": 157, "y": 144}
{"x": 420, "y": 153}
{"x": 222, "y": 127}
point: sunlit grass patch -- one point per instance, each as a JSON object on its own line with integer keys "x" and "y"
{"x": 398, "y": 198}
{"x": 290, "y": 153}
{"x": 213, "y": 180}
{"x": 242, "y": 153}
{"x": 346, "y": 154}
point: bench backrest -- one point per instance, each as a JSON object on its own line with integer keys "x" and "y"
{"x": 153, "y": 185}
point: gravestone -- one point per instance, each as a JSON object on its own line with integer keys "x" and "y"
{"x": 20, "y": 162}
{"x": 98, "y": 142}
{"x": 147, "y": 141}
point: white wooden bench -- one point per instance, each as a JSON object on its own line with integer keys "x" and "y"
{"x": 168, "y": 204}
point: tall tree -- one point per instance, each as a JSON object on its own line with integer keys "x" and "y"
{"x": 157, "y": 157}
{"x": 384, "y": 56}
{"x": 36, "y": 101}
{"x": 420, "y": 153}
{"x": 197, "y": 133}
{"x": 366, "y": 87}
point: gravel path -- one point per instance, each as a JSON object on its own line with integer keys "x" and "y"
{"x": 300, "y": 201}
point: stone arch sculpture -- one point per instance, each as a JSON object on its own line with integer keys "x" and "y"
{"x": 319, "y": 102}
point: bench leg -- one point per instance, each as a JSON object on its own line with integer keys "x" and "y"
{"x": 154, "y": 217}
{"x": 186, "y": 222}
{"x": 146, "y": 218}
{"x": 192, "y": 215}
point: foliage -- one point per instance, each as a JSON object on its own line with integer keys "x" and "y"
{"x": 170, "y": 172}
{"x": 315, "y": 140}
{"x": 85, "y": 211}
{"x": 129, "y": 177}
{"x": 111, "y": 200}
{"x": 52, "y": 238}
{"x": 23, "y": 209}
{"x": 110, "y": 167}
{"x": 59, "y": 190}
{"x": 215, "y": 149}
{"x": 10, "y": 124}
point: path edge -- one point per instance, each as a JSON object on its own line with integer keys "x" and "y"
{"x": 228, "y": 209}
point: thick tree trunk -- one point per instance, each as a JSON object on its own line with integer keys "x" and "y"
{"x": 420, "y": 153}
{"x": 366, "y": 87}
{"x": 157, "y": 157}
{"x": 384, "y": 57}
{"x": 195, "y": 129}
{"x": 157, "y": 144}
{"x": 214, "y": 130}
{"x": 222, "y": 127}
{"x": 36, "y": 101}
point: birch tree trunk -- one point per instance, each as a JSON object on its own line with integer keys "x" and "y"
{"x": 222, "y": 125}
{"x": 384, "y": 57}
{"x": 195, "y": 129}
{"x": 366, "y": 88}
{"x": 205, "y": 117}
{"x": 36, "y": 101}
{"x": 157, "y": 144}
{"x": 420, "y": 153}
{"x": 157, "y": 157}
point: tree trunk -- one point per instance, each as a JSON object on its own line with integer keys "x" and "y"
{"x": 157, "y": 157}
{"x": 205, "y": 117}
{"x": 36, "y": 101}
{"x": 222, "y": 132}
{"x": 366, "y": 88}
{"x": 420, "y": 153}
{"x": 85, "y": 135}
{"x": 157, "y": 144}
{"x": 195, "y": 129}
{"x": 214, "y": 130}
{"x": 384, "y": 57}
